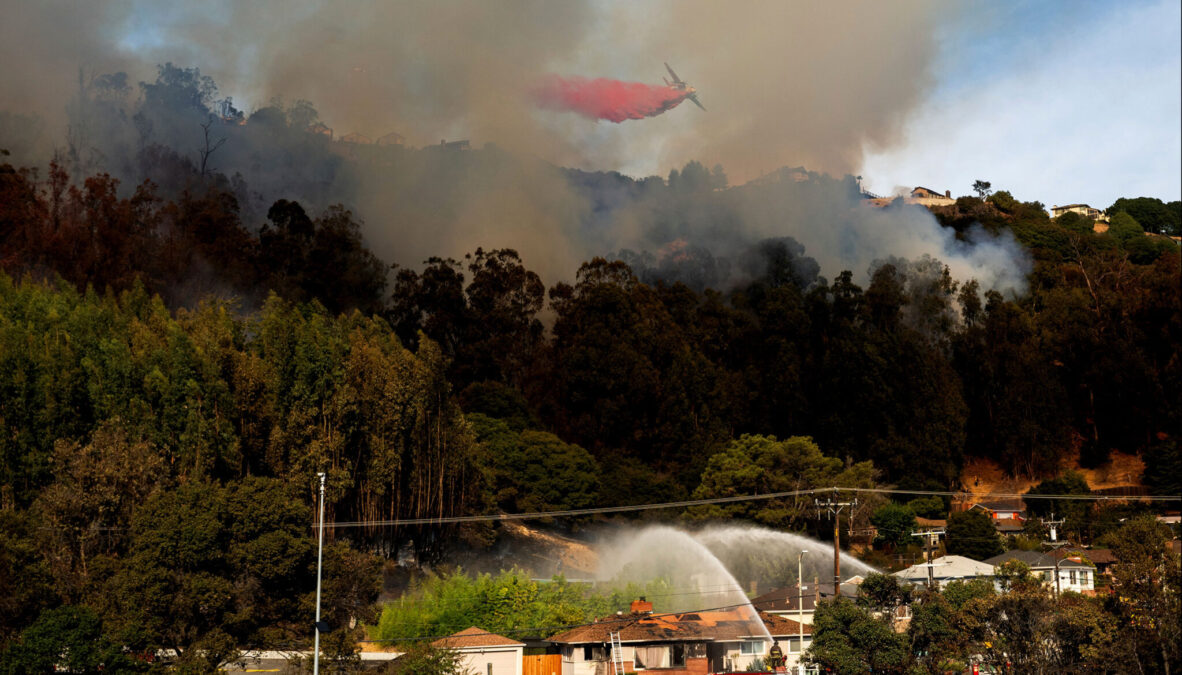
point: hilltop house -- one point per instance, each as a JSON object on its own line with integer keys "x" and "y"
{"x": 1082, "y": 209}
{"x": 678, "y": 643}
{"x": 483, "y": 652}
{"x": 929, "y": 197}
{"x": 1073, "y": 575}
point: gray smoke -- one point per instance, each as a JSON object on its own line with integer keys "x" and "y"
{"x": 786, "y": 84}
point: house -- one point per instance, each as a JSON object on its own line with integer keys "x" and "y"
{"x": 945, "y": 570}
{"x": 1008, "y": 509}
{"x": 484, "y": 653}
{"x": 1009, "y": 516}
{"x": 929, "y": 197}
{"x": 799, "y": 601}
{"x": 454, "y": 146}
{"x": 393, "y": 138}
{"x": 1073, "y": 575}
{"x": 321, "y": 129}
{"x": 679, "y": 643}
{"x": 1102, "y": 558}
{"x": 359, "y": 139}
{"x": 1080, "y": 208}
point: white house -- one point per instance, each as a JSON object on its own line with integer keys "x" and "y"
{"x": 485, "y": 653}
{"x": 1073, "y": 576}
{"x": 945, "y": 570}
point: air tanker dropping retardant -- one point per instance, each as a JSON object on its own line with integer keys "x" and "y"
{"x": 612, "y": 100}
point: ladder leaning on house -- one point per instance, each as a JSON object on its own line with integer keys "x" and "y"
{"x": 617, "y": 655}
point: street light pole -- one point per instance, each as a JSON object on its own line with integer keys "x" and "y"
{"x": 319, "y": 564}
{"x": 800, "y": 612}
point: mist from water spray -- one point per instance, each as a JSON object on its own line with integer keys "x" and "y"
{"x": 769, "y": 558}
{"x": 699, "y": 579}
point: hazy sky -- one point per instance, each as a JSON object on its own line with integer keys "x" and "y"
{"x": 1057, "y": 102}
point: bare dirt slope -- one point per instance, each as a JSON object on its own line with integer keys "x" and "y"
{"x": 982, "y": 477}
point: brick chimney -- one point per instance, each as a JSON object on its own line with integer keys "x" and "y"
{"x": 642, "y": 606}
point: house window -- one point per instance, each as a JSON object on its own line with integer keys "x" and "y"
{"x": 677, "y": 656}
{"x": 652, "y": 657}
{"x": 1071, "y": 576}
{"x": 1083, "y": 578}
{"x": 793, "y": 645}
{"x": 751, "y": 647}
{"x": 587, "y": 654}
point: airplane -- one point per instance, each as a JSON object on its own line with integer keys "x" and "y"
{"x": 680, "y": 85}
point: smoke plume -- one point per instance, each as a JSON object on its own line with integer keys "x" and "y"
{"x": 788, "y": 84}
{"x": 605, "y": 99}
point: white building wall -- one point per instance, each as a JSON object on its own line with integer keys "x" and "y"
{"x": 492, "y": 661}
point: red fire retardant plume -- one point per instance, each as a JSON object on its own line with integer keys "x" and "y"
{"x": 604, "y": 99}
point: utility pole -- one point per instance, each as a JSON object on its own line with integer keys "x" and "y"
{"x": 319, "y": 563}
{"x": 1053, "y": 524}
{"x": 800, "y": 612}
{"x": 928, "y": 541}
{"x": 834, "y": 507}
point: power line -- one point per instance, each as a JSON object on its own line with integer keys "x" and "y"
{"x": 567, "y": 513}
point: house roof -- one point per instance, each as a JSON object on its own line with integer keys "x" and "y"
{"x": 1098, "y": 556}
{"x": 947, "y": 567}
{"x": 1035, "y": 559}
{"x": 785, "y": 599}
{"x": 931, "y": 522}
{"x": 716, "y": 626}
{"x": 934, "y": 192}
{"x": 475, "y": 637}
{"x": 1003, "y": 505}
{"x": 1009, "y": 525}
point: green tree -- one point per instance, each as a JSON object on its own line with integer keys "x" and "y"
{"x": 211, "y": 569}
{"x": 958, "y": 593}
{"x": 1148, "y": 602}
{"x": 895, "y": 524}
{"x": 534, "y": 470}
{"x": 762, "y": 464}
{"x": 932, "y": 507}
{"x": 1125, "y": 228}
{"x": 882, "y": 593}
{"x": 1074, "y": 513}
{"x": 982, "y": 188}
{"x": 1153, "y": 214}
{"x": 848, "y": 640}
{"x": 26, "y": 585}
{"x": 421, "y": 658}
{"x": 931, "y": 632}
{"x": 972, "y": 534}
{"x": 67, "y": 639}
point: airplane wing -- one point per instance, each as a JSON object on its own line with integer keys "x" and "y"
{"x": 676, "y": 79}
{"x": 694, "y": 98}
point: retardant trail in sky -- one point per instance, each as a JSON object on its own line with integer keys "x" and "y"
{"x": 605, "y": 99}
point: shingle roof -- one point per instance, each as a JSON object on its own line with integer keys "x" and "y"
{"x": 475, "y": 637}
{"x": 1035, "y": 559}
{"x": 784, "y": 599}
{"x": 1099, "y": 556}
{"x": 947, "y": 567}
{"x": 726, "y": 626}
